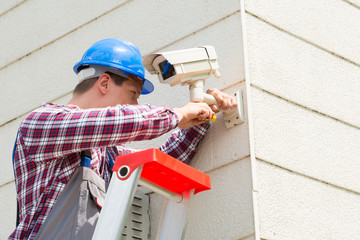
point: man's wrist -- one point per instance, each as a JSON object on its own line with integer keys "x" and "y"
{"x": 178, "y": 113}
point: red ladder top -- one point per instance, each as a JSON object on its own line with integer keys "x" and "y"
{"x": 165, "y": 171}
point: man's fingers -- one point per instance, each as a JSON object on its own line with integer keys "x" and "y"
{"x": 224, "y": 101}
{"x": 214, "y": 108}
{"x": 233, "y": 103}
{"x": 217, "y": 94}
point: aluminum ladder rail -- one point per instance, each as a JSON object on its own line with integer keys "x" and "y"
{"x": 159, "y": 172}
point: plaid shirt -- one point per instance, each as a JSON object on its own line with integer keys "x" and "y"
{"x": 51, "y": 138}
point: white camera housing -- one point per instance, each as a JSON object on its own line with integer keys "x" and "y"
{"x": 183, "y": 66}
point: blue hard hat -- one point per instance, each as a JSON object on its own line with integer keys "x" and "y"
{"x": 118, "y": 54}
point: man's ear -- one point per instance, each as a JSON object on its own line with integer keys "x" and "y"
{"x": 103, "y": 83}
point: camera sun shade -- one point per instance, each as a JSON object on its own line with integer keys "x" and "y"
{"x": 183, "y": 66}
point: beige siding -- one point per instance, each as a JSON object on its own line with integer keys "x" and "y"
{"x": 7, "y": 139}
{"x": 329, "y": 24}
{"x": 7, "y": 5}
{"x": 38, "y": 23}
{"x": 296, "y": 207}
{"x": 306, "y": 142}
{"x": 304, "y": 75}
{"x": 223, "y": 212}
{"x": 8, "y": 214}
{"x": 300, "y": 72}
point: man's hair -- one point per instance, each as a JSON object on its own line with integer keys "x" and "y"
{"x": 85, "y": 85}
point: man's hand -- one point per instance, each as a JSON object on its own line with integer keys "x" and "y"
{"x": 190, "y": 114}
{"x": 224, "y": 100}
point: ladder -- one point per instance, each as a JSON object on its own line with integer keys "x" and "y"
{"x": 159, "y": 172}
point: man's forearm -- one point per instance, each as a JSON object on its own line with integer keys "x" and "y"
{"x": 54, "y": 132}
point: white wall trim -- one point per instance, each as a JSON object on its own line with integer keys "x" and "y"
{"x": 250, "y": 122}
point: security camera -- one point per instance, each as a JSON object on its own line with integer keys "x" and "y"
{"x": 192, "y": 67}
{"x": 183, "y": 66}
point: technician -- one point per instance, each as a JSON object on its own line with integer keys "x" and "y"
{"x": 102, "y": 116}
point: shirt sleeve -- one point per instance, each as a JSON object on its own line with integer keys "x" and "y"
{"x": 50, "y": 132}
{"x": 183, "y": 144}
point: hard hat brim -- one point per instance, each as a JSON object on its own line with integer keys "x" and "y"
{"x": 148, "y": 87}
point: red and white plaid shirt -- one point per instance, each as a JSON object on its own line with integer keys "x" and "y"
{"x": 51, "y": 139}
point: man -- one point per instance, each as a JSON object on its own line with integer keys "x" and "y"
{"x": 102, "y": 115}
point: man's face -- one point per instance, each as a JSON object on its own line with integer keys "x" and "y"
{"x": 127, "y": 93}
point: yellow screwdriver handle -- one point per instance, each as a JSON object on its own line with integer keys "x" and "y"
{"x": 213, "y": 118}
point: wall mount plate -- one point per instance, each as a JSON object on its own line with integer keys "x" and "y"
{"x": 235, "y": 116}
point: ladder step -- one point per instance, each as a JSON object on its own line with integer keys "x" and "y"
{"x": 163, "y": 170}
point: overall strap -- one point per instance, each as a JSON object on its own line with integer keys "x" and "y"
{"x": 13, "y": 153}
{"x": 85, "y": 158}
{"x": 13, "y": 159}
